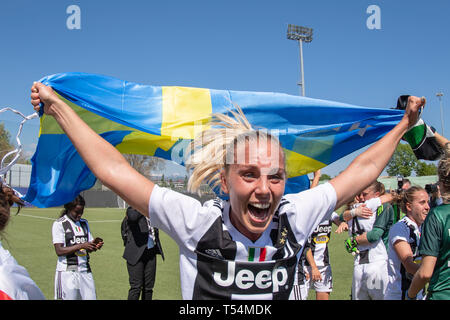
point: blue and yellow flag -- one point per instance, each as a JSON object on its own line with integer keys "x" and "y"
{"x": 161, "y": 120}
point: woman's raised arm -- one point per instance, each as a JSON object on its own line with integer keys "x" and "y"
{"x": 369, "y": 165}
{"x": 105, "y": 162}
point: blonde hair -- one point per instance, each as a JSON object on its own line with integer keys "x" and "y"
{"x": 211, "y": 151}
{"x": 377, "y": 186}
{"x": 444, "y": 174}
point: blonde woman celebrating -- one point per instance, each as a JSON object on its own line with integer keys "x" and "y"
{"x": 246, "y": 247}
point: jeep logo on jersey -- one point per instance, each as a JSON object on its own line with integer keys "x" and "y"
{"x": 323, "y": 229}
{"x": 246, "y": 278}
{"x": 78, "y": 240}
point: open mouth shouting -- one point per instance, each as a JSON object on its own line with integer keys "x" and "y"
{"x": 259, "y": 212}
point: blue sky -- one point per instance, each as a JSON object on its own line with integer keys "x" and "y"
{"x": 236, "y": 45}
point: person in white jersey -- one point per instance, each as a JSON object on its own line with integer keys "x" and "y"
{"x": 314, "y": 269}
{"x": 248, "y": 246}
{"x": 15, "y": 282}
{"x": 370, "y": 263}
{"x": 73, "y": 242}
{"x": 404, "y": 239}
{"x": 317, "y": 267}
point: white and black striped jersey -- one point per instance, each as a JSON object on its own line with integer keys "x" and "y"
{"x": 399, "y": 280}
{"x": 70, "y": 233}
{"x": 218, "y": 262}
{"x": 371, "y": 252}
{"x": 318, "y": 242}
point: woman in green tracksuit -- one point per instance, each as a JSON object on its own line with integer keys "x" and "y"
{"x": 435, "y": 243}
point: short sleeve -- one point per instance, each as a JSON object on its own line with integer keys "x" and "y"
{"x": 398, "y": 232}
{"x": 178, "y": 215}
{"x": 312, "y": 207}
{"x": 334, "y": 216}
{"x": 58, "y": 233}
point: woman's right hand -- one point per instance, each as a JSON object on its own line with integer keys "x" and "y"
{"x": 315, "y": 274}
{"x": 342, "y": 227}
{"x": 363, "y": 212}
{"x": 41, "y": 93}
{"x": 412, "y": 111}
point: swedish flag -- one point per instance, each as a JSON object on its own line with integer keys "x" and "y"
{"x": 161, "y": 120}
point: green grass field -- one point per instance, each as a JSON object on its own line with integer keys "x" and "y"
{"x": 28, "y": 238}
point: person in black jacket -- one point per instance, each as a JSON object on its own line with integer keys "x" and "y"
{"x": 141, "y": 247}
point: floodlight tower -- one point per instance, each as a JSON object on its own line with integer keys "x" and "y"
{"x": 300, "y": 34}
{"x": 439, "y": 95}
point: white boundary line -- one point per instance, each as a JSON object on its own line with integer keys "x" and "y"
{"x": 53, "y": 219}
{"x": 30, "y": 216}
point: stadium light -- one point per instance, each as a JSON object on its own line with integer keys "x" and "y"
{"x": 300, "y": 34}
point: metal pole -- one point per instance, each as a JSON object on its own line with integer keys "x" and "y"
{"x": 442, "y": 119}
{"x": 439, "y": 95}
{"x": 302, "y": 83}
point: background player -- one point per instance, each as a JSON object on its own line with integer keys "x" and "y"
{"x": 317, "y": 265}
{"x": 73, "y": 241}
{"x": 370, "y": 263}
{"x": 404, "y": 239}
